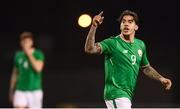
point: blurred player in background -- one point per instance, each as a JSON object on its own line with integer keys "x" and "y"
{"x": 125, "y": 55}
{"x": 26, "y": 80}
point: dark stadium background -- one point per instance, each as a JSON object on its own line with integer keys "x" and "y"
{"x": 72, "y": 78}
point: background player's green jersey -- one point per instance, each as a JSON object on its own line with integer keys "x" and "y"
{"x": 122, "y": 63}
{"x": 28, "y": 78}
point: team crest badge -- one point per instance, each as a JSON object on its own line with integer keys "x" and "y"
{"x": 25, "y": 64}
{"x": 140, "y": 52}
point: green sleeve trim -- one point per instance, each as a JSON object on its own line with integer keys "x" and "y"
{"x": 102, "y": 49}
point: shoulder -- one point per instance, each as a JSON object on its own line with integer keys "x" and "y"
{"x": 140, "y": 42}
{"x": 39, "y": 54}
{"x": 38, "y": 51}
{"x": 19, "y": 53}
{"x": 111, "y": 39}
{"x": 108, "y": 42}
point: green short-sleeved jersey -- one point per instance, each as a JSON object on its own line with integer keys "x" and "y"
{"x": 122, "y": 63}
{"x": 28, "y": 78}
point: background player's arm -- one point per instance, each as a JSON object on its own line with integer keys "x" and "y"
{"x": 90, "y": 46}
{"x": 152, "y": 73}
{"x": 13, "y": 83}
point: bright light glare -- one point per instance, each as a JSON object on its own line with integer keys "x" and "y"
{"x": 84, "y": 20}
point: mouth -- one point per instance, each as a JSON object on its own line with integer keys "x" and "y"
{"x": 126, "y": 29}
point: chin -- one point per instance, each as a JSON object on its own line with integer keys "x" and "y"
{"x": 126, "y": 34}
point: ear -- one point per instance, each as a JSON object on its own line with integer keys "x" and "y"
{"x": 136, "y": 27}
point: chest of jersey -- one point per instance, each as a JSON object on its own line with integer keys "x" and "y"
{"x": 128, "y": 53}
{"x": 24, "y": 68}
{"x": 23, "y": 63}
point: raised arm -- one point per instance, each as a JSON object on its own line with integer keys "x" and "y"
{"x": 90, "y": 46}
{"x": 37, "y": 65}
{"x": 152, "y": 73}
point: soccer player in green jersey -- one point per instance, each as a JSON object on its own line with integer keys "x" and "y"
{"x": 125, "y": 55}
{"x": 26, "y": 80}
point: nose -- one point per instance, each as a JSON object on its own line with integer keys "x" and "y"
{"x": 126, "y": 24}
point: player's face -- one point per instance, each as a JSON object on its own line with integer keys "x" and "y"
{"x": 128, "y": 25}
{"x": 26, "y": 43}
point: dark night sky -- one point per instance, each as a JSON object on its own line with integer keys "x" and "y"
{"x": 70, "y": 75}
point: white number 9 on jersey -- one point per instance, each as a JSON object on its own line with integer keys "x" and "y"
{"x": 133, "y": 59}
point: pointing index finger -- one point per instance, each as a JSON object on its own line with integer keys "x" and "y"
{"x": 100, "y": 14}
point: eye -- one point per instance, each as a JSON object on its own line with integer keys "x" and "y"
{"x": 123, "y": 21}
{"x": 130, "y": 21}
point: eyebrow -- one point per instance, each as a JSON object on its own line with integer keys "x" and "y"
{"x": 128, "y": 20}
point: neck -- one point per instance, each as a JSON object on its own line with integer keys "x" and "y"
{"x": 127, "y": 38}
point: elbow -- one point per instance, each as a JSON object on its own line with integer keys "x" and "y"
{"x": 39, "y": 68}
{"x": 88, "y": 50}
{"x": 39, "y": 71}
{"x": 145, "y": 71}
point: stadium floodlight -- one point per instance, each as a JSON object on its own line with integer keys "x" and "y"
{"x": 84, "y": 20}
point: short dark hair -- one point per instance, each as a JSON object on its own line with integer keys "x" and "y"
{"x": 26, "y": 34}
{"x": 131, "y": 13}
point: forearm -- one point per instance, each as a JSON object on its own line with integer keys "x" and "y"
{"x": 36, "y": 64}
{"x": 152, "y": 73}
{"x": 90, "y": 46}
{"x": 13, "y": 80}
{"x": 12, "y": 84}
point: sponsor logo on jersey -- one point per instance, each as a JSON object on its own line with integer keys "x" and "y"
{"x": 20, "y": 60}
{"x": 125, "y": 51}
